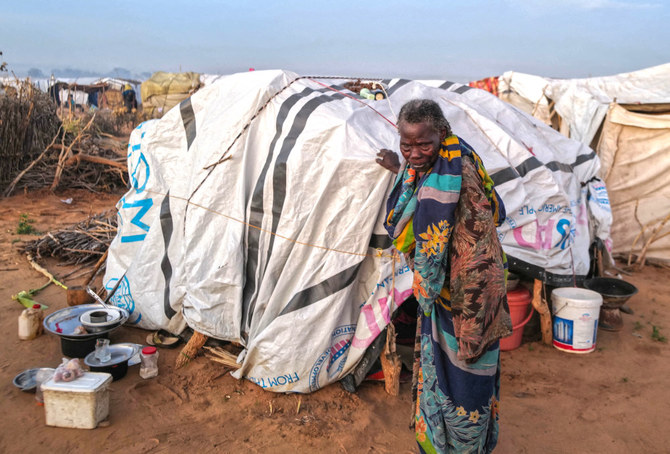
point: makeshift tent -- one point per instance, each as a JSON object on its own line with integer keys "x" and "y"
{"x": 634, "y": 149}
{"x": 583, "y": 103}
{"x": 526, "y": 92}
{"x": 624, "y": 118}
{"x": 162, "y": 91}
{"x": 105, "y": 91}
{"x": 256, "y": 206}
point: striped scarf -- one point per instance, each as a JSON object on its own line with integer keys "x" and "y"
{"x": 421, "y": 215}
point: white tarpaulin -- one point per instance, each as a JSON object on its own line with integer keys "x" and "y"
{"x": 583, "y": 103}
{"x": 635, "y": 152}
{"x": 280, "y": 246}
{"x": 526, "y": 92}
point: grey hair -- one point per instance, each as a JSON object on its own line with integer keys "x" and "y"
{"x": 420, "y": 110}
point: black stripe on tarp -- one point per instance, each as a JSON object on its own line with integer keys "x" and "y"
{"x": 528, "y": 165}
{"x": 188, "y": 118}
{"x": 279, "y": 175}
{"x": 504, "y": 175}
{"x": 556, "y": 166}
{"x": 397, "y": 85}
{"x": 462, "y": 89}
{"x": 279, "y": 190}
{"x": 529, "y": 270}
{"x": 166, "y": 266}
{"x": 446, "y": 85}
{"x": 582, "y": 158}
{"x": 322, "y": 290}
{"x": 380, "y": 241}
{"x": 532, "y": 163}
{"x": 256, "y": 211}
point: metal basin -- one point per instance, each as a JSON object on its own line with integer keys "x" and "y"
{"x": 615, "y": 292}
{"x": 63, "y": 322}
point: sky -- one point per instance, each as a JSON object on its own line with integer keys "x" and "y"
{"x": 457, "y": 40}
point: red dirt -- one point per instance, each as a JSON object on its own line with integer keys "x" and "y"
{"x": 614, "y": 400}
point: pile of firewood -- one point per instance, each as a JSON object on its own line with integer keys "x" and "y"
{"x": 80, "y": 158}
{"x": 82, "y": 243}
{"x": 28, "y": 123}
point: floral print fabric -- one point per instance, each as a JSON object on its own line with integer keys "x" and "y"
{"x": 459, "y": 281}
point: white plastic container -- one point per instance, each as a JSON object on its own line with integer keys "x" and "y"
{"x": 30, "y": 323}
{"x": 576, "y": 312}
{"x": 79, "y": 404}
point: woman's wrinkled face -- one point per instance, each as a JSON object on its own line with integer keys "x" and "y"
{"x": 420, "y": 144}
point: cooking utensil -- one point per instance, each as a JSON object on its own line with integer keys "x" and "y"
{"x": 118, "y": 363}
{"x": 27, "y": 380}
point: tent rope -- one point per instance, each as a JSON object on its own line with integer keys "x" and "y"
{"x": 269, "y": 232}
{"x": 225, "y": 156}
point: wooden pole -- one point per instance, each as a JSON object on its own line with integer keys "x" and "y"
{"x": 542, "y": 308}
{"x": 391, "y": 364}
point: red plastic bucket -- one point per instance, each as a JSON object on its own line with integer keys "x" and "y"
{"x": 521, "y": 311}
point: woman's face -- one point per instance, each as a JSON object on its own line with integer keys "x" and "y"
{"x": 420, "y": 144}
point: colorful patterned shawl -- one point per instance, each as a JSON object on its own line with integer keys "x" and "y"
{"x": 470, "y": 278}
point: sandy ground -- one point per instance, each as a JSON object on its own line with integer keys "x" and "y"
{"x": 614, "y": 400}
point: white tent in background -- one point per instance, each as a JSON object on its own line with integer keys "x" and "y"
{"x": 626, "y": 119}
{"x": 526, "y": 92}
{"x": 583, "y": 103}
{"x": 634, "y": 149}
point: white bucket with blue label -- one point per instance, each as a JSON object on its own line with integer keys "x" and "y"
{"x": 576, "y": 313}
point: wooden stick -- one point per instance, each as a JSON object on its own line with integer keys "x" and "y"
{"x": 13, "y": 184}
{"x": 191, "y": 348}
{"x": 76, "y": 159}
{"x": 654, "y": 234}
{"x": 542, "y": 308}
{"x": 96, "y": 268}
{"x": 391, "y": 364}
{"x": 65, "y": 154}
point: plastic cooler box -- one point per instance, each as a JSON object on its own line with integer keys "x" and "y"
{"x": 80, "y": 404}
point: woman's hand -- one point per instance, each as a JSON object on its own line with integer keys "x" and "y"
{"x": 388, "y": 160}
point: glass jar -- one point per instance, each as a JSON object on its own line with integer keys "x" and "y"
{"x": 102, "y": 352}
{"x": 149, "y": 362}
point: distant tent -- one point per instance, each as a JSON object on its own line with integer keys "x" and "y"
{"x": 634, "y": 150}
{"x": 163, "y": 91}
{"x": 583, "y": 103}
{"x": 626, "y": 119}
{"x": 102, "y": 92}
{"x": 526, "y": 92}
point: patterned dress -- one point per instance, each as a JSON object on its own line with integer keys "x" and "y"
{"x": 459, "y": 281}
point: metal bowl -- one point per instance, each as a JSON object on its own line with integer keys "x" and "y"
{"x": 64, "y": 321}
{"x": 121, "y": 356}
{"x": 615, "y": 292}
{"x": 27, "y": 380}
{"x": 108, "y": 317}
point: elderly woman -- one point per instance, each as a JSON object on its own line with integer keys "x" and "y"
{"x": 442, "y": 214}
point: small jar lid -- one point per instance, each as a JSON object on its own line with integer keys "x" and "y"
{"x": 37, "y": 306}
{"x": 149, "y": 350}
